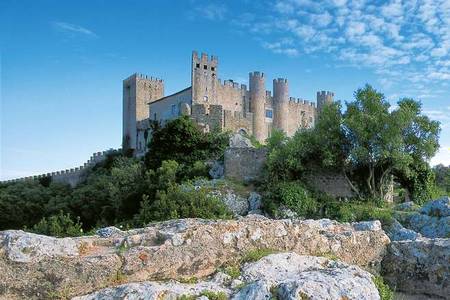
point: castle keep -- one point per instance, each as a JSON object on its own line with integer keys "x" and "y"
{"x": 212, "y": 103}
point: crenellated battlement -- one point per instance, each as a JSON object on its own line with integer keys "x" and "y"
{"x": 144, "y": 77}
{"x": 325, "y": 93}
{"x": 204, "y": 57}
{"x": 280, "y": 81}
{"x": 70, "y": 176}
{"x": 256, "y": 74}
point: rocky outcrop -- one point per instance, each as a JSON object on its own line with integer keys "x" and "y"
{"x": 284, "y": 276}
{"x": 239, "y": 141}
{"x": 169, "y": 250}
{"x": 432, "y": 220}
{"x": 419, "y": 266}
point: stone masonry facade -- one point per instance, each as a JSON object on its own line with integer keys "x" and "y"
{"x": 215, "y": 104}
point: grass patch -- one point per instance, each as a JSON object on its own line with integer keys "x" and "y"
{"x": 190, "y": 280}
{"x": 233, "y": 271}
{"x": 256, "y": 254}
{"x": 214, "y": 295}
{"x": 383, "y": 289}
{"x": 187, "y": 297}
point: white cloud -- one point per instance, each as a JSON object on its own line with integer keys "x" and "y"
{"x": 73, "y": 29}
{"x": 442, "y": 157}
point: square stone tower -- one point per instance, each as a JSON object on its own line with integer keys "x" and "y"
{"x": 138, "y": 91}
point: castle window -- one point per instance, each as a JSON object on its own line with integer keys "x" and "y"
{"x": 154, "y": 116}
{"x": 197, "y": 66}
{"x": 205, "y": 67}
{"x": 174, "y": 109}
{"x": 269, "y": 113}
{"x": 213, "y": 69}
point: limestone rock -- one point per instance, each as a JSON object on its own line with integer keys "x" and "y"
{"x": 153, "y": 291}
{"x": 437, "y": 208}
{"x": 216, "y": 171}
{"x": 254, "y": 201}
{"x": 258, "y": 290}
{"x": 367, "y": 225}
{"x": 431, "y": 227}
{"x": 108, "y": 231}
{"x": 286, "y": 275}
{"x": 235, "y": 203}
{"x": 397, "y": 232}
{"x": 239, "y": 141}
{"x": 27, "y": 247}
{"x": 419, "y": 267}
{"x": 170, "y": 250}
{"x": 293, "y": 276}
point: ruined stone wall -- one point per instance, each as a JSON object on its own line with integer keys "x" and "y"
{"x": 331, "y": 183}
{"x": 244, "y": 164}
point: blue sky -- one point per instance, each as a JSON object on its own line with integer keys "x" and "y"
{"x": 62, "y": 62}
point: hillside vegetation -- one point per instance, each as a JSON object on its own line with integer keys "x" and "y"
{"x": 368, "y": 142}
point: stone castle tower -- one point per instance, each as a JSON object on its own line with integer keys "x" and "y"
{"x": 138, "y": 91}
{"x": 214, "y": 104}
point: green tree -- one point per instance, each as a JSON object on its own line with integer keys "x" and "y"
{"x": 182, "y": 141}
{"x": 60, "y": 225}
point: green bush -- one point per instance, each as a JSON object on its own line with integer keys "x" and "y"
{"x": 293, "y": 195}
{"x": 60, "y": 225}
{"x": 256, "y": 254}
{"x": 182, "y": 201}
{"x": 356, "y": 211}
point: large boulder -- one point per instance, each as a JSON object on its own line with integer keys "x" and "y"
{"x": 239, "y": 141}
{"x": 397, "y": 232}
{"x": 420, "y": 266}
{"x": 437, "y": 208}
{"x": 173, "y": 250}
{"x": 283, "y": 275}
{"x": 293, "y": 276}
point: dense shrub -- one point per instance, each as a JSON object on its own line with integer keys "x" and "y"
{"x": 181, "y": 201}
{"x": 291, "y": 194}
{"x": 182, "y": 141}
{"x": 60, "y": 225}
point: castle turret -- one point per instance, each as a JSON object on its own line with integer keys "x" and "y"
{"x": 324, "y": 98}
{"x": 257, "y": 101}
{"x": 204, "y": 78}
{"x": 281, "y": 104}
{"x": 138, "y": 91}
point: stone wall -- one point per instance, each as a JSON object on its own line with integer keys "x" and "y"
{"x": 70, "y": 176}
{"x": 244, "y": 164}
{"x": 333, "y": 184}
{"x": 208, "y": 117}
{"x": 238, "y": 122}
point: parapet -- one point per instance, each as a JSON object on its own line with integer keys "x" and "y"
{"x": 256, "y": 74}
{"x": 325, "y": 93}
{"x": 69, "y": 174}
{"x": 143, "y": 77}
{"x": 204, "y": 57}
{"x": 280, "y": 80}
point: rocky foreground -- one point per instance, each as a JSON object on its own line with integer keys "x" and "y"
{"x": 193, "y": 258}
{"x": 35, "y": 266}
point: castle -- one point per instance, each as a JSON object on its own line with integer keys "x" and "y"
{"x": 214, "y": 104}
{"x": 211, "y": 103}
